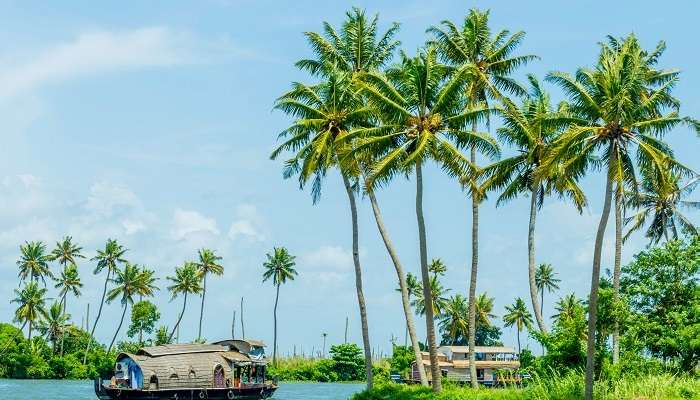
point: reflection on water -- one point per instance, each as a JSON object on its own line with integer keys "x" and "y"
{"x": 82, "y": 390}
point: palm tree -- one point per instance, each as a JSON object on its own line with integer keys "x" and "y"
{"x": 531, "y": 128}
{"x": 418, "y": 104}
{"x": 54, "y": 324}
{"x": 187, "y": 280}
{"x": 109, "y": 259}
{"x": 517, "y": 315}
{"x": 129, "y": 282}
{"x": 437, "y": 267}
{"x": 280, "y": 267}
{"x": 483, "y": 309}
{"x": 207, "y": 264}
{"x": 439, "y": 296}
{"x": 147, "y": 279}
{"x": 623, "y": 104}
{"x": 454, "y": 320}
{"x": 31, "y": 305}
{"x": 545, "y": 278}
{"x": 355, "y": 49}
{"x": 68, "y": 282}
{"x": 34, "y": 262}
{"x": 490, "y": 57}
{"x": 660, "y": 201}
{"x": 66, "y": 252}
{"x": 567, "y": 307}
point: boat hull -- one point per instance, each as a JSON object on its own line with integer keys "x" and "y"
{"x": 107, "y": 393}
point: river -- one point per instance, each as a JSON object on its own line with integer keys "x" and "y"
{"x": 82, "y": 390}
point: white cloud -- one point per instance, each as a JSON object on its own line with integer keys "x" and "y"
{"x": 329, "y": 258}
{"x": 187, "y": 223}
{"x": 100, "y": 52}
{"x": 21, "y": 195}
{"x": 106, "y": 199}
{"x": 133, "y": 226}
{"x": 247, "y": 223}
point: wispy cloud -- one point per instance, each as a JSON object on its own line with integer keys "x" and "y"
{"x": 107, "y": 51}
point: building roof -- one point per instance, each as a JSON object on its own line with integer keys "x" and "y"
{"x": 478, "y": 349}
{"x": 172, "y": 349}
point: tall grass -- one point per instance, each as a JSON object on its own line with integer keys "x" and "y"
{"x": 555, "y": 387}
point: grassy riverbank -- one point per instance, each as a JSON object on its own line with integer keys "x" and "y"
{"x": 570, "y": 387}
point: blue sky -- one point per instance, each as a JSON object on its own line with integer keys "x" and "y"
{"x": 152, "y": 122}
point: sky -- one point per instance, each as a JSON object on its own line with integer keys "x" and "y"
{"x": 152, "y": 123}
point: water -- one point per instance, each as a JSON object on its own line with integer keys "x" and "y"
{"x": 82, "y": 390}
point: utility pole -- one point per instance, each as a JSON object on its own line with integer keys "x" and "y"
{"x": 242, "y": 324}
{"x": 324, "y": 334}
{"x": 233, "y": 325}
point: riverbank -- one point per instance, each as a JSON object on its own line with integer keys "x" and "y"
{"x": 657, "y": 387}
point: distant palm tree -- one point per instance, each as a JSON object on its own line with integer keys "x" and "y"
{"x": 129, "y": 282}
{"x": 437, "y": 267}
{"x": 68, "y": 282}
{"x": 66, "y": 252}
{"x": 545, "y": 278}
{"x": 110, "y": 258}
{"x": 483, "y": 310}
{"x": 491, "y": 61}
{"x": 454, "y": 320}
{"x": 208, "y": 264}
{"x": 54, "y": 324}
{"x": 517, "y": 315}
{"x": 34, "y": 262}
{"x": 187, "y": 280}
{"x": 567, "y": 307}
{"x": 31, "y": 305}
{"x": 280, "y": 267}
{"x": 661, "y": 201}
{"x": 438, "y": 293}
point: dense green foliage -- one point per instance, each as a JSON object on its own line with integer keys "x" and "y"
{"x": 346, "y": 364}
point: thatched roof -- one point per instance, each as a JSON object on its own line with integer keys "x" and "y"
{"x": 478, "y": 349}
{"x": 170, "y": 349}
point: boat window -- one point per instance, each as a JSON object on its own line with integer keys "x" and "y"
{"x": 219, "y": 380}
{"x": 153, "y": 383}
{"x": 192, "y": 374}
{"x": 172, "y": 374}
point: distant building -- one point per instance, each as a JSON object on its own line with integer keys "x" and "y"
{"x": 494, "y": 364}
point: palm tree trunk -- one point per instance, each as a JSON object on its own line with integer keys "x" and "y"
{"x": 63, "y": 331}
{"x": 408, "y": 312}
{"x": 177, "y": 324}
{"x": 616, "y": 272}
{"x": 274, "y": 340}
{"x": 519, "y": 350}
{"x": 595, "y": 282}
{"x": 121, "y": 321}
{"x": 358, "y": 281}
{"x": 435, "y": 373}
{"x": 472, "y": 281}
{"x": 29, "y": 336}
{"x": 201, "y": 308}
{"x": 99, "y": 313}
{"x": 531, "y": 260}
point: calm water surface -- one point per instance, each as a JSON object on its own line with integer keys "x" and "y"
{"x": 82, "y": 390}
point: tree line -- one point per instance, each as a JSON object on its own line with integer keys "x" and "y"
{"x": 373, "y": 117}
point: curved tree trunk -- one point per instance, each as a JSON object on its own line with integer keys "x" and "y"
{"x": 99, "y": 313}
{"x": 519, "y": 350}
{"x": 201, "y": 308}
{"x": 472, "y": 282}
{"x": 179, "y": 319}
{"x": 435, "y": 374}
{"x": 405, "y": 301}
{"x": 595, "y": 282}
{"x": 63, "y": 331}
{"x": 358, "y": 282}
{"x": 531, "y": 261}
{"x": 616, "y": 272}
{"x": 274, "y": 340}
{"x": 126, "y": 305}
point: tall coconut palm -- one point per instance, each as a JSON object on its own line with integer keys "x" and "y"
{"x": 517, "y": 315}
{"x": 279, "y": 267}
{"x": 545, "y": 279}
{"x": 129, "y": 282}
{"x": 439, "y": 296}
{"x": 492, "y": 60}
{"x": 34, "y": 262}
{"x": 422, "y": 119}
{"x": 187, "y": 280}
{"x": 567, "y": 307}
{"x": 325, "y": 112}
{"x": 208, "y": 264}
{"x": 437, "y": 267}
{"x": 531, "y": 128}
{"x": 661, "y": 201}
{"x": 31, "y": 305}
{"x": 54, "y": 324}
{"x": 68, "y": 282}
{"x": 66, "y": 252}
{"x": 483, "y": 310}
{"x": 110, "y": 258}
{"x": 625, "y": 105}
{"x": 454, "y": 321}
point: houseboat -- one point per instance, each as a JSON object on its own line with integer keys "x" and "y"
{"x": 229, "y": 369}
{"x": 495, "y": 365}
